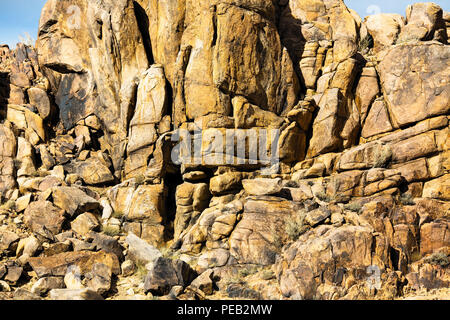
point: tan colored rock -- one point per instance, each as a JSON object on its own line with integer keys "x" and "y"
{"x": 262, "y": 186}
{"x": 292, "y": 144}
{"x": 151, "y": 106}
{"x": 406, "y": 72}
{"x": 434, "y": 236}
{"x": 73, "y": 201}
{"x": 321, "y": 253}
{"x": 248, "y": 116}
{"x": 214, "y": 63}
{"x": 147, "y": 204}
{"x": 8, "y": 241}
{"x": 8, "y": 147}
{"x": 74, "y": 295}
{"x": 319, "y": 20}
{"x": 214, "y": 225}
{"x": 24, "y": 119}
{"x": 311, "y": 63}
{"x": 439, "y": 164}
{"x": 416, "y": 170}
{"x": 23, "y": 202}
{"x": 191, "y": 200}
{"x": 327, "y": 125}
{"x": 438, "y": 188}
{"x": 43, "y": 285}
{"x": 415, "y": 147}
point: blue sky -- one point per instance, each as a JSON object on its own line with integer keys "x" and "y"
{"x": 20, "y": 16}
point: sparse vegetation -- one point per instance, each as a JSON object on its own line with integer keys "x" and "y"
{"x": 27, "y": 39}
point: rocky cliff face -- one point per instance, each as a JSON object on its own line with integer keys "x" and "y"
{"x": 269, "y": 149}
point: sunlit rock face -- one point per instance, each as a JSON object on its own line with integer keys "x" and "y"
{"x": 239, "y": 149}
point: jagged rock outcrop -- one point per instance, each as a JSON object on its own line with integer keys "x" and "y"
{"x": 241, "y": 148}
{"x": 93, "y": 53}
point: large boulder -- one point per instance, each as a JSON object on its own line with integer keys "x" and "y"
{"x": 151, "y": 106}
{"x": 8, "y": 149}
{"x": 384, "y": 28}
{"x": 85, "y": 261}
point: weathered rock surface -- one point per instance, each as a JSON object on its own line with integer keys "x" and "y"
{"x": 409, "y": 95}
{"x": 323, "y": 158}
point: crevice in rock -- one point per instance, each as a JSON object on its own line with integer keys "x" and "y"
{"x": 172, "y": 179}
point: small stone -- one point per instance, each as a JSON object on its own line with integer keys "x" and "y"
{"x": 194, "y": 176}
{"x": 161, "y": 277}
{"x": 28, "y": 246}
{"x": 226, "y": 182}
{"x": 99, "y": 278}
{"x": 73, "y": 200}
